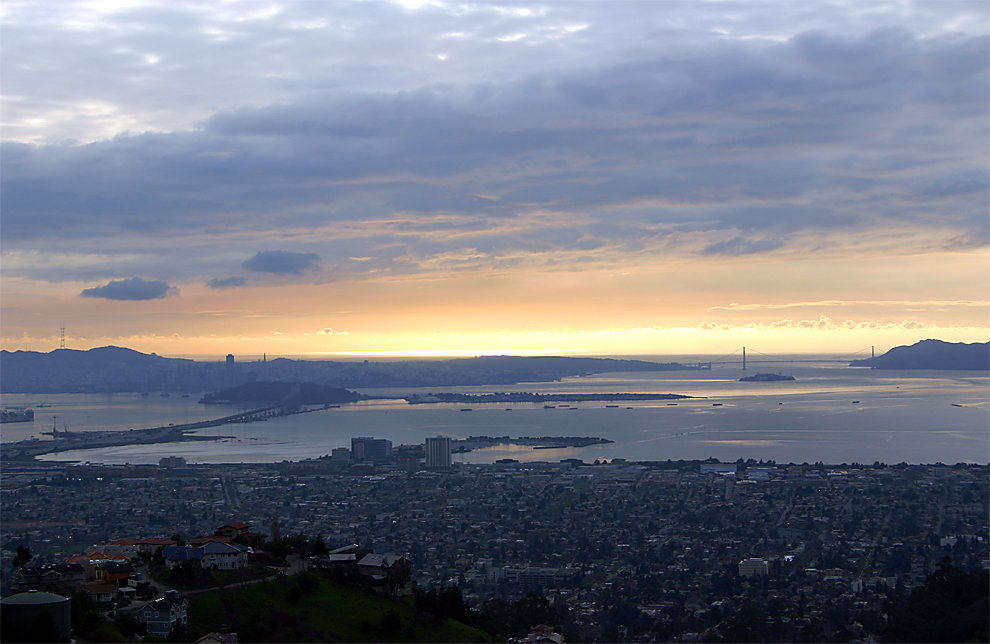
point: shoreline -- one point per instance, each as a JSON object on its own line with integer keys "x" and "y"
{"x": 616, "y": 461}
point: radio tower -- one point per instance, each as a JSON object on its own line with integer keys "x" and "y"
{"x": 61, "y": 343}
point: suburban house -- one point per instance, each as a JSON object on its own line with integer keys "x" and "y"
{"x": 162, "y": 615}
{"x": 233, "y": 530}
{"x": 389, "y": 570}
{"x": 126, "y": 547}
{"x": 543, "y": 634}
{"x": 56, "y": 578}
{"x": 101, "y": 593}
{"x": 92, "y": 561}
{"x": 241, "y": 533}
{"x": 130, "y": 548}
{"x": 214, "y": 554}
{"x": 112, "y": 573}
{"x": 151, "y": 544}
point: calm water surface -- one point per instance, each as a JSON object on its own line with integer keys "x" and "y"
{"x": 917, "y": 417}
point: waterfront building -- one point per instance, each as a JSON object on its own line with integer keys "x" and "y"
{"x": 365, "y": 448}
{"x": 171, "y": 462}
{"x": 437, "y": 450}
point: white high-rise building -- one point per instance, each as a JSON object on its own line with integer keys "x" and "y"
{"x": 437, "y": 450}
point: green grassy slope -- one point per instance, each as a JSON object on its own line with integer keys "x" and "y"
{"x": 291, "y": 611}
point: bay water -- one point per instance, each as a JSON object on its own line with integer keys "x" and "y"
{"x": 831, "y": 413}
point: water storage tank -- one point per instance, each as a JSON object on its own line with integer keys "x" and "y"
{"x": 35, "y": 616}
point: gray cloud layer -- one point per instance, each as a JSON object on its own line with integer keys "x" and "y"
{"x": 131, "y": 289}
{"x": 647, "y": 129}
{"x": 227, "y": 282}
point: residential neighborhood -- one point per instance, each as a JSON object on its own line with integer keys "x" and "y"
{"x": 672, "y": 549}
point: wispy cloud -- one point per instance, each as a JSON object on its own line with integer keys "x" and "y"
{"x": 281, "y": 261}
{"x": 837, "y": 303}
{"x": 227, "y": 282}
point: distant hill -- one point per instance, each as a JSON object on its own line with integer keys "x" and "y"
{"x": 117, "y": 369}
{"x": 301, "y": 393}
{"x": 103, "y": 369}
{"x": 933, "y": 354}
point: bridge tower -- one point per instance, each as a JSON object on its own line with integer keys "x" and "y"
{"x": 744, "y": 358}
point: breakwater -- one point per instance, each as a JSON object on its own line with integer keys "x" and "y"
{"x": 471, "y": 443}
{"x": 528, "y": 397}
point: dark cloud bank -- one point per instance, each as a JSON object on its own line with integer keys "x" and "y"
{"x": 751, "y": 144}
{"x": 132, "y": 289}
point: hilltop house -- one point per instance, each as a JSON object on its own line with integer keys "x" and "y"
{"x": 391, "y": 571}
{"x": 215, "y": 555}
{"x": 240, "y": 532}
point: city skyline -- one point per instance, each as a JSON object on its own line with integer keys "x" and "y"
{"x": 436, "y": 178}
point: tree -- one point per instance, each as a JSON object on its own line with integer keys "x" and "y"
{"x": 950, "y": 607}
{"x": 22, "y": 557}
{"x": 320, "y": 546}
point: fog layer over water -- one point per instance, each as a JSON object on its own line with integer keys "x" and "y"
{"x": 917, "y": 417}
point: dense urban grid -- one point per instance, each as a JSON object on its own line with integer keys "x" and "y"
{"x": 622, "y": 551}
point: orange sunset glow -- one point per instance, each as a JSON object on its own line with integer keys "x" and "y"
{"x": 815, "y": 182}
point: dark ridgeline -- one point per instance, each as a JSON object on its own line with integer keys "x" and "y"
{"x": 933, "y": 354}
{"x": 116, "y": 369}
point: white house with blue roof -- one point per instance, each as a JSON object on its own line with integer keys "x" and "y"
{"x": 212, "y": 555}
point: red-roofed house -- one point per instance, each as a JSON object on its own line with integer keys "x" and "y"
{"x": 232, "y": 530}
{"x": 241, "y": 533}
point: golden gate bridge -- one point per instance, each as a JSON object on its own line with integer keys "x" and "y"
{"x": 742, "y": 356}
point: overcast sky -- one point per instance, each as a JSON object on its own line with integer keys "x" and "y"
{"x": 603, "y": 177}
